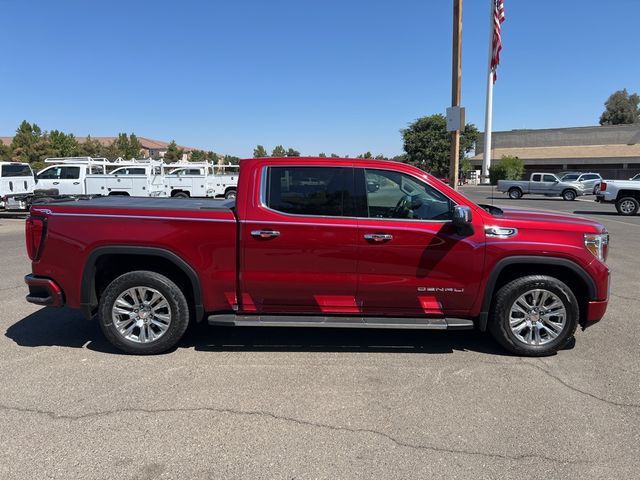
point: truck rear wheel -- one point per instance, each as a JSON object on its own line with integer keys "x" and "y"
{"x": 515, "y": 193}
{"x": 534, "y": 316}
{"x": 627, "y": 206}
{"x": 143, "y": 313}
{"x": 230, "y": 194}
{"x": 180, "y": 195}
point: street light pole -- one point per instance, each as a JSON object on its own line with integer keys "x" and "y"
{"x": 456, "y": 80}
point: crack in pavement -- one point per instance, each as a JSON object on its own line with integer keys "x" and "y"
{"x": 576, "y": 389}
{"x": 305, "y": 423}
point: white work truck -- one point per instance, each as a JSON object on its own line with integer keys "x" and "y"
{"x": 201, "y": 179}
{"x": 133, "y": 179}
{"x": 15, "y": 179}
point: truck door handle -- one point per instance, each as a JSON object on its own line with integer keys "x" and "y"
{"x": 56, "y": 183}
{"x": 265, "y": 233}
{"x": 378, "y": 237}
{"x": 78, "y": 183}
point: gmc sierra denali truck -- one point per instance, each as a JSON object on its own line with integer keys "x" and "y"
{"x": 309, "y": 242}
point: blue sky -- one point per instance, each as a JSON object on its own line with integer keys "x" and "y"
{"x": 320, "y": 76}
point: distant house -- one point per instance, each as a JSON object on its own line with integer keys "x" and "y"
{"x": 150, "y": 148}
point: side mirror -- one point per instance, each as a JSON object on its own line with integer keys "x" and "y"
{"x": 462, "y": 219}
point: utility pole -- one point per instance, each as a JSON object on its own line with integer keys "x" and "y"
{"x": 456, "y": 80}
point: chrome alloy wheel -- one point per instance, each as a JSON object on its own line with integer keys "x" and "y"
{"x": 537, "y": 317}
{"x": 141, "y": 314}
{"x": 627, "y": 207}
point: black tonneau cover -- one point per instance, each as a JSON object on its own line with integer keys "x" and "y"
{"x": 140, "y": 203}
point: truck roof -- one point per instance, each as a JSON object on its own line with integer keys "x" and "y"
{"x": 358, "y": 162}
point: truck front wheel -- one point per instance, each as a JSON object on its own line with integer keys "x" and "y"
{"x": 515, "y": 193}
{"x": 143, "y": 313}
{"x": 627, "y": 206}
{"x": 534, "y": 316}
{"x": 569, "y": 195}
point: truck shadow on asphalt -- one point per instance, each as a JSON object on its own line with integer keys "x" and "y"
{"x": 68, "y": 328}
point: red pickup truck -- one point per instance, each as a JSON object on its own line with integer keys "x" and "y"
{"x": 320, "y": 242}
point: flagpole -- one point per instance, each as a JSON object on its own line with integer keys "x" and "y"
{"x": 488, "y": 117}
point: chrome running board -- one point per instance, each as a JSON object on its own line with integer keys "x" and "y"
{"x": 241, "y": 320}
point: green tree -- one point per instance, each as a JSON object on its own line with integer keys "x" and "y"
{"x": 292, "y": 153}
{"x": 91, "y": 148}
{"x": 212, "y": 156}
{"x": 335, "y": 155}
{"x": 198, "y": 156}
{"x": 508, "y": 168}
{"x": 29, "y": 144}
{"x": 322, "y": 155}
{"x": 231, "y": 159}
{"x": 621, "y": 108}
{"x": 5, "y": 152}
{"x": 260, "y": 152}
{"x": 380, "y": 157}
{"x": 365, "y": 155}
{"x": 428, "y": 144}
{"x": 126, "y": 146}
{"x": 173, "y": 153}
{"x": 278, "y": 151}
{"x": 62, "y": 144}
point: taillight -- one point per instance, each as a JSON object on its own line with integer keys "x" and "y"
{"x": 603, "y": 186}
{"x": 34, "y": 232}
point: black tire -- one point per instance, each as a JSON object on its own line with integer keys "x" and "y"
{"x": 229, "y": 194}
{"x": 177, "y": 307}
{"x": 499, "y": 323}
{"x": 596, "y": 188}
{"x": 515, "y": 193}
{"x": 627, "y": 206}
{"x": 569, "y": 195}
{"x": 180, "y": 195}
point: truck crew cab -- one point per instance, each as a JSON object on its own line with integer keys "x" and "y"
{"x": 308, "y": 242}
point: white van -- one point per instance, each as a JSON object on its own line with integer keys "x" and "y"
{"x": 15, "y": 178}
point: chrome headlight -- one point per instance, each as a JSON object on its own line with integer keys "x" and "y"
{"x": 598, "y": 244}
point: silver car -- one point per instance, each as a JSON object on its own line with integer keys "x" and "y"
{"x": 591, "y": 181}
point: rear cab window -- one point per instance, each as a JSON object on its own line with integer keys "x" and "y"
{"x": 316, "y": 191}
{"x": 15, "y": 171}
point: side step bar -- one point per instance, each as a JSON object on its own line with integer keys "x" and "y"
{"x": 234, "y": 320}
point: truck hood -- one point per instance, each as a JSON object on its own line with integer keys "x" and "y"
{"x": 551, "y": 220}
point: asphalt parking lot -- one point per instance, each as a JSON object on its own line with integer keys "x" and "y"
{"x": 304, "y": 403}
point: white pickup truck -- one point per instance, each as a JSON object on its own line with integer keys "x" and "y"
{"x": 625, "y": 194}
{"x": 15, "y": 179}
{"x": 202, "y": 180}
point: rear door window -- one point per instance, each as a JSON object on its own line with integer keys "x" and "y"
{"x": 69, "y": 173}
{"x": 536, "y": 177}
{"x": 317, "y": 191}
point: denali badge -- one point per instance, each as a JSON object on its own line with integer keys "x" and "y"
{"x": 441, "y": 289}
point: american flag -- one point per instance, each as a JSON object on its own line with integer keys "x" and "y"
{"x": 498, "y": 18}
